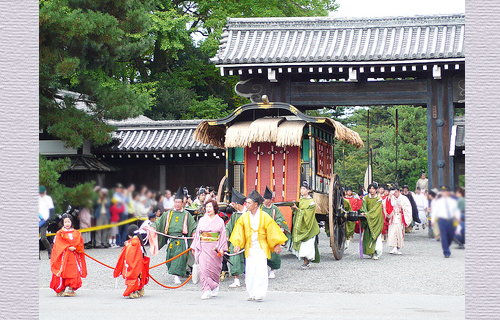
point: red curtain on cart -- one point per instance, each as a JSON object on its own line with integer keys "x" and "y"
{"x": 259, "y": 165}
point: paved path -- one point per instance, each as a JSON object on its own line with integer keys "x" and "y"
{"x": 182, "y": 304}
{"x": 420, "y": 284}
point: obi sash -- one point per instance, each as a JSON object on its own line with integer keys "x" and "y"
{"x": 209, "y": 236}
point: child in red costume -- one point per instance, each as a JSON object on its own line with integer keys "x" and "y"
{"x": 67, "y": 261}
{"x": 133, "y": 265}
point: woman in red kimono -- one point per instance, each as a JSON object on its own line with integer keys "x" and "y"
{"x": 67, "y": 261}
{"x": 133, "y": 265}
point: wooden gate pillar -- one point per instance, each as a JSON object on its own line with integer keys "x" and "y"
{"x": 440, "y": 112}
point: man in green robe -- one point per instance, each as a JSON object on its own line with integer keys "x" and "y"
{"x": 372, "y": 210}
{"x": 178, "y": 223}
{"x": 305, "y": 228}
{"x": 275, "y": 262}
{"x": 237, "y": 266}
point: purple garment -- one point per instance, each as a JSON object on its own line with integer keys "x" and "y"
{"x": 204, "y": 253}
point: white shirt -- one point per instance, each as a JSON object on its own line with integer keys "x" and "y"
{"x": 168, "y": 204}
{"x": 254, "y": 224}
{"x": 445, "y": 208}
{"x": 45, "y": 203}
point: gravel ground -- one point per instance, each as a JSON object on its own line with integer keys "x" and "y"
{"x": 421, "y": 270}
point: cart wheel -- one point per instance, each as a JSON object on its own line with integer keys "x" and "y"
{"x": 336, "y": 219}
{"x": 221, "y": 187}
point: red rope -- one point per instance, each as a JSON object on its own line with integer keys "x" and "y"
{"x": 98, "y": 261}
{"x": 173, "y": 258}
{"x": 176, "y": 287}
{"x": 159, "y": 264}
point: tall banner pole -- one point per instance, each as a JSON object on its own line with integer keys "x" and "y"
{"x": 397, "y": 145}
{"x": 343, "y": 163}
{"x": 368, "y": 134}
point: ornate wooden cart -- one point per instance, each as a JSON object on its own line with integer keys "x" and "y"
{"x": 276, "y": 145}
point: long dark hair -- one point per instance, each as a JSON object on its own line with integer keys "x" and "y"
{"x": 131, "y": 231}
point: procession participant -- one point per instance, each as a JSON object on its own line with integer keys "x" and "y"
{"x": 133, "y": 265}
{"x": 178, "y": 223}
{"x": 45, "y": 209}
{"x": 200, "y": 198}
{"x": 372, "y": 226}
{"x": 275, "y": 262}
{"x": 398, "y": 209}
{"x": 257, "y": 232}
{"x": 422, "y": 203}
{"x": 208, "y": 246}
{"x": 383, "y": 195}
{"x": 305, "y": 228}
{"x": 237, "y": 261}
{"x": 415, "y": 220}
{"x": 445, "y": 211}
{"x": 422, "y": 183}
{"x": 67, "y": 261}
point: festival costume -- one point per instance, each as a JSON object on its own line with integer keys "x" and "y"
{"x": 305, "y": 229}
{"x": 355, "y": 205}
{"x": 400, "y": 215}
{"x": 349, "y": 225}
{"x": 178, "y": 224}
{"x": 133, "y": 266}
{"x": 274, "y": 212}
{"x": 68, "y": 267}
{"x": 238, "y": 261}
{"x": 258, "y": 234}
{"x": 210, "y": 234}
{"x": 386, "y": 219}
{"x": 372, "y": 226}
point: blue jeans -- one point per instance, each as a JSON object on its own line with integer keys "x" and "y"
{"x": 447, "y": 234}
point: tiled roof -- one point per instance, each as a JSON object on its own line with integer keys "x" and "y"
{"x": 256, "y": 41}
{"x": 157, "y": 136}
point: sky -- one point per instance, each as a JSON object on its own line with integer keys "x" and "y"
{"x": 387, "y": 8}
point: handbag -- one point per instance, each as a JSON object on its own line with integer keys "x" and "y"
{"x": 195, "y": 273}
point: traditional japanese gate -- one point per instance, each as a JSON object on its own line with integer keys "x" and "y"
{"x": 325, "y": 62}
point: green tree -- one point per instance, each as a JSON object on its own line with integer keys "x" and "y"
{"x": 87, "y": 47}
{"x": 412, "y": 145}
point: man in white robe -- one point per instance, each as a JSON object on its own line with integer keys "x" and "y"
{"x": 258, "y": 233}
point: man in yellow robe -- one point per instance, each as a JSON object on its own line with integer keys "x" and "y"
{"x": 258, "y": 233}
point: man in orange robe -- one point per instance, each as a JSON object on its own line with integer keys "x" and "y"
{"x": 133, "y": 265}
{"x": 67, "y": 261}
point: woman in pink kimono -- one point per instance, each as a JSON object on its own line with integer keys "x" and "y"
{"x": 209, "y": 244}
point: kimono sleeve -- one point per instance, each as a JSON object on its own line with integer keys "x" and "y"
{"x": 238, "y": 238}
{"x": 191, "y": 223}
{"x": 274, "y": 234}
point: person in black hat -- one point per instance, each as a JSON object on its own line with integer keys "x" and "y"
{"x": 305, "y": 228}
{"x": 445, "y": 211}
{"x": 178, "y": 223}
{"x": 275, "y": 262}
{"x": 258, "y": 233}
{"x": 374, "y": 223}
{"x": 237, "y": 261}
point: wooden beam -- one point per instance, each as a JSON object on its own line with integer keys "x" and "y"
{"x": 310, "y": 95}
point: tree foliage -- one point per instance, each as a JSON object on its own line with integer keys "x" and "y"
{"x": 412, "y": 145}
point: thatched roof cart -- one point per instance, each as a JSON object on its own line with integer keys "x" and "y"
{"x": 276, "y": 145}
